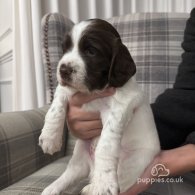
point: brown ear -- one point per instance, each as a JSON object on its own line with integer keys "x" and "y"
{"x": 122, "y": 66}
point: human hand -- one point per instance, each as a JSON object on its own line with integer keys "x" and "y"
{"x": 177, "y": 161}
{"x": 82, "y": 124}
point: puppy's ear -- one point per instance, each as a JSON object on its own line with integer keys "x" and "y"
{"x": 122, "y": 66}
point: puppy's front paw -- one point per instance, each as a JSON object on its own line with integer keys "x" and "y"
{"x": 51, "y": 190}
{"x": 100, "y": 189}
{"x": 102, "y": 185}
{"x": 50, "y": 142}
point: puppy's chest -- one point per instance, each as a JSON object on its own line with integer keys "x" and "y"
{"x": 103, "y": 105}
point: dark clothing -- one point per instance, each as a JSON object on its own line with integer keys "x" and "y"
{"x": 174, "y": 110}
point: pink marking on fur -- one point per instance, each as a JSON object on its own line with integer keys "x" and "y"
{"x": 125, "y": 153}
{"x": 90, "y": 149}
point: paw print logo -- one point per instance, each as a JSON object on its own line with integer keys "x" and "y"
{"x": 160, "y": 170}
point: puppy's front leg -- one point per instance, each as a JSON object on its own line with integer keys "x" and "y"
{"x": 50, "y": 139}
{"x": 104, "y": 181}
{"x": 78, "y": 168}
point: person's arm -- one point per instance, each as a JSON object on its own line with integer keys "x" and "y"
{"x": 177, "y": 161}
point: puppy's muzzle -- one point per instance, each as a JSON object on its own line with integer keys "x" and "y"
{"x": 66, "y": 72}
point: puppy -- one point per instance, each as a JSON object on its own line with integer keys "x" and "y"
{"x": 94, "y": 59}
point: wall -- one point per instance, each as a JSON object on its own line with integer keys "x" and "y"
{"x": 6, "y": 55}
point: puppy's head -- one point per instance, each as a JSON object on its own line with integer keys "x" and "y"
{"x": 94, "y": 58}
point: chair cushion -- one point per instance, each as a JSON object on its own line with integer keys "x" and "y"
{"x": 35, "y": 183}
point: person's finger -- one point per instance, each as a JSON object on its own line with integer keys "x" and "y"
{"x": 76, "y": 114}
{"x": 79, "y": 98}
{"x": 85, "y": 126}
{"x": 87, "y": 134}
{"x": 92, "y": 133}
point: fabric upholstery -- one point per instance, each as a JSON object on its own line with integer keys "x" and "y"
{"x": 154, "y": 41}
{"x": 20, "y": 154}
{"x": 54, "y": 27}
{"x": 36, "y": 182}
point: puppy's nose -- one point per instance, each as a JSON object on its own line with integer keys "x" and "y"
{"x": 65, "y": 70}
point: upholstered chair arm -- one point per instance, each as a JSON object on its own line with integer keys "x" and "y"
{"x": 20, "y": 154}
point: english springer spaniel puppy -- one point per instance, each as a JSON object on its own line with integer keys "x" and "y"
{"x": 94, "y": 59}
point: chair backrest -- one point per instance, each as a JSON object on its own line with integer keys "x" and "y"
{"x": 54, "y": 26}
{"x": 153, "y": 39}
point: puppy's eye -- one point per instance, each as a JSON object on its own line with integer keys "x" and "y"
{"x": 90, "y": 51}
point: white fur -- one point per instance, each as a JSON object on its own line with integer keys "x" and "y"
{"x": 127, "y": 144}
{"x": 73, "y": 57}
